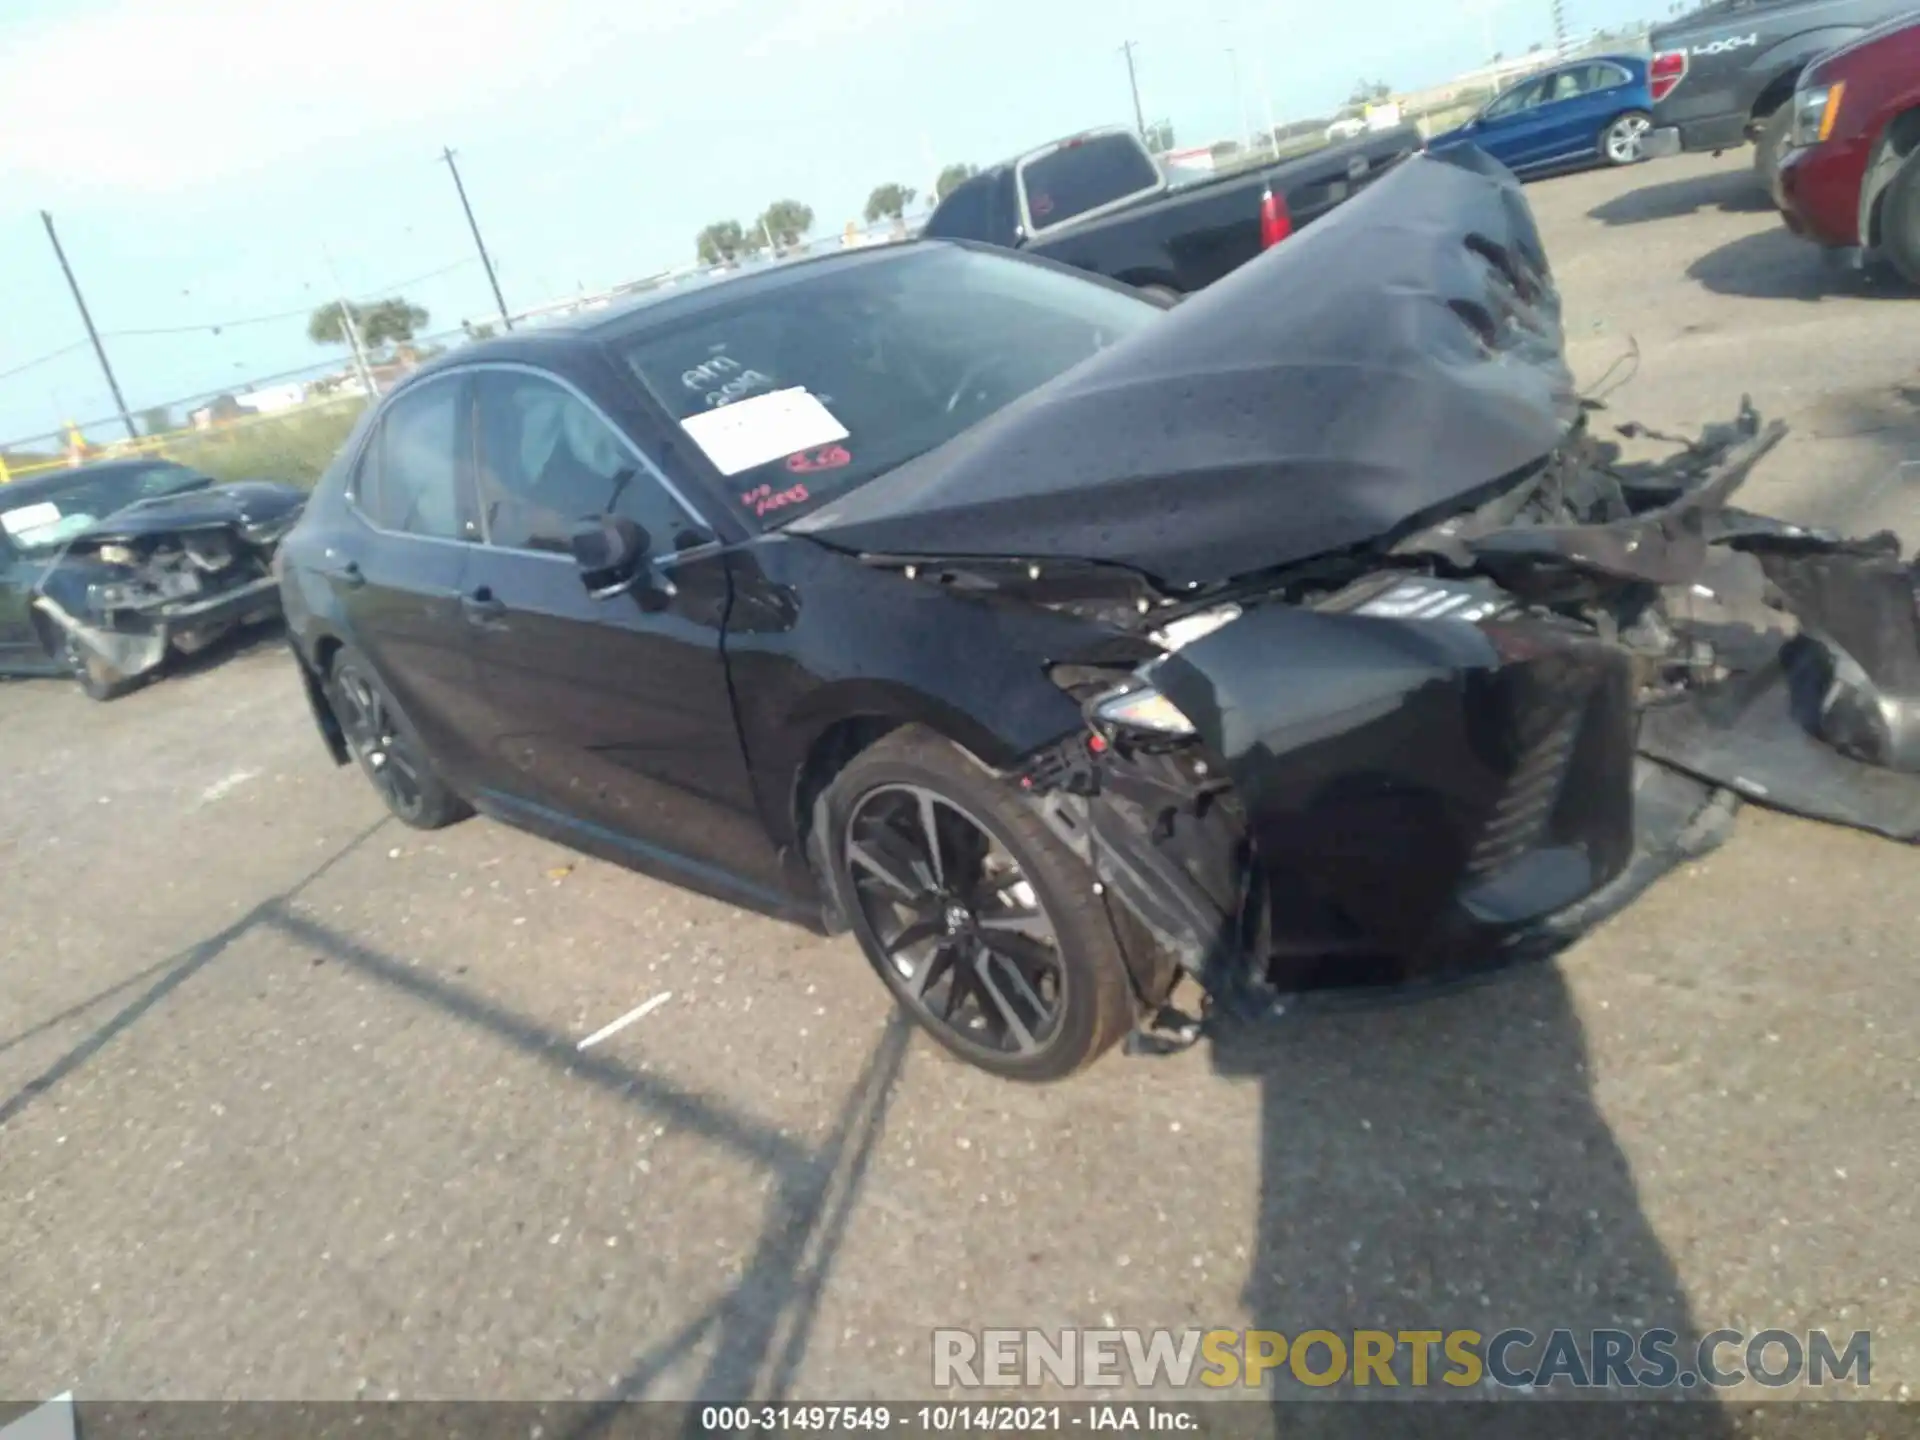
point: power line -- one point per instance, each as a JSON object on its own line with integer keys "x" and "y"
{"x": 217, "y": 325}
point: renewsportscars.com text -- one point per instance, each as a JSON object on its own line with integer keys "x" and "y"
{"x": 1512, "y": 1359}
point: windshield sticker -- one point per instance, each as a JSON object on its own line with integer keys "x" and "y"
{"x": 763, "y": 428}
{"x": 30, "y": 517}
{"x": 722, "y": 380}
{"x": 830, "y": 457}
{"x": 764, "y": 498}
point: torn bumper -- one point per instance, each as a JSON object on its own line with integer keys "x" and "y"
{"x": 1442, "y": 768}
{"x": 135, "y": 639}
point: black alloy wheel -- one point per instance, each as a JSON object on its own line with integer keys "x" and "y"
{"x": 374, "y": 737}
{"x": 388, "y": 751}
{"x": 987, "y": 927}
{"x": 961, "y": 933}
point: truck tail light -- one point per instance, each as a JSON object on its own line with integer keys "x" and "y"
{"x": 1668, "y": 69}
{"x": 1275, "y": 223}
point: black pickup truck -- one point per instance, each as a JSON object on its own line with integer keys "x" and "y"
{"x": 1101, "y": 202}
{"x": 1723, "y": 75}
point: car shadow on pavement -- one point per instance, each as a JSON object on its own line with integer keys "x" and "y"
{"x": 1778, "y": 265}
{"x": 1439, "y": 1163}
{"x": 757, "y": 1333}
{"x": 1735, "y": 192}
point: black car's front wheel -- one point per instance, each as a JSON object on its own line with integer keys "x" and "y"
{"x": 985, "y": 927}
{"x": 389, "y": 752}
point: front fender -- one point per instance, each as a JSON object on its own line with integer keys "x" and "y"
{"x": 1785, "y": 59}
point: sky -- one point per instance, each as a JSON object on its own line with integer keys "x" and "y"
{"x": 210, "y": 161}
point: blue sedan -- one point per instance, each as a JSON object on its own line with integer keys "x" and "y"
{"x": 1595, "y": 111}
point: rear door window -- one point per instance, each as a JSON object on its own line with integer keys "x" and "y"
{"x": 409, "y": 479}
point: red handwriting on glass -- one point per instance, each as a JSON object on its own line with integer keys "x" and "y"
{"x": 763, "y": 498}
{"x": 831, "y": 457}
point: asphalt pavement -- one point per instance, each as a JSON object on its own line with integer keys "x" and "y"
{"x": 292, "y": 1103}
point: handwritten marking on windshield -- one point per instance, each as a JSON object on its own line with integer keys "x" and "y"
{"x": 763, "y": 498}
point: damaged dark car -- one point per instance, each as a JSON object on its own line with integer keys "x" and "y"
{"x": 110, "y": 569}
{"x": 1081, "y": 655}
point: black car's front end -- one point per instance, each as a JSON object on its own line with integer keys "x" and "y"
{"x": 1431, "y": 672}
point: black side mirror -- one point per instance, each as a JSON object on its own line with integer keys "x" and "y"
{"x": 612, "y": 555}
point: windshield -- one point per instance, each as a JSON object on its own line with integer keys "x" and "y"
{"x": 801, "y": 392}
{"x": 54, "y": 516}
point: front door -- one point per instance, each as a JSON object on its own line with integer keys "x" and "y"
{"x": 606, "y": 718}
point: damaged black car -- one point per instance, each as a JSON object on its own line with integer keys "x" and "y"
{"x": 109, "y": 569}
{"x": 1077, "y": 653}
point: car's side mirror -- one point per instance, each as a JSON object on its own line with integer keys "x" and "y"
{"x": 612, "y": 553}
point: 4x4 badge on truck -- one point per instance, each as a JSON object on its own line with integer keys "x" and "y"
{"x": 1720, "y": 47}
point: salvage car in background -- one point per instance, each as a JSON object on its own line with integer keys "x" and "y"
{"x": 1101, "y": 203}
{"x": 107, "y": 569}
{"x": 1595, "y": 111}
{"x": 1059, "y": 643}
{"x": 1851, "y": 176}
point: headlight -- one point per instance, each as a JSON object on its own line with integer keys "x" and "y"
{"x": 1138, "y": 706}
{"x": 1814, "y": 112}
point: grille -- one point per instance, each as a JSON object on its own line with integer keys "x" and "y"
{"x": 1520, "y": 815}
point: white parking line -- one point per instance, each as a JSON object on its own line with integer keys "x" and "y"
{"x": 645, "y": 1007}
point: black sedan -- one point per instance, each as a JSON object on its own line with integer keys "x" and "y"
{"x": 1068, "y": 648}
{"x": 109, "y": 569}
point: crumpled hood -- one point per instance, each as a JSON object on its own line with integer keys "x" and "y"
{"x": 1396, "y": 359}
{"x": 246, "y": 502}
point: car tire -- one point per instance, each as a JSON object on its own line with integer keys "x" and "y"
{"x": 1622, "y": 142}
{"x": 1900, "y": 220}
{"x": 1004, "y": 879}
{"x": 1768, "y": 147}
{"x": 386, "y": 747}
{"x": 97, "y": 679}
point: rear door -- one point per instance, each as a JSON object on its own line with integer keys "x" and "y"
{"x": 602, "y": 718}
{"x": 398, "y": 572}
{"x": 1579, "y": 102}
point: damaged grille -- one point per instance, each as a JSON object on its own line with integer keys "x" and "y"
{"x": 1519, "y": 818}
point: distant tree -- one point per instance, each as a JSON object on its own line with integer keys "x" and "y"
{"x": 1366, "y": 92}
{"x": 482, "y": 331}
{"x": 383, "y": 323}
{"x": 786, "y": 221}
{"x": 888, "y": 202}
{"x": 720, "y": 242}
{"x": 952, "y": 178}
{"x": 1159, "y": 137}
{"x": 157, "y": 420}
{"x": 390, "y": 322}
{"x": 1535, "y": 48}
{"x": 1224, "y": 149}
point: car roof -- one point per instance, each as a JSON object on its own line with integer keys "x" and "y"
{"x": 55, "y": 481}
{"x": 639, "y": 313}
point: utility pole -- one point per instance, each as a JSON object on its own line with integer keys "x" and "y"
{"x": 1559, "y": 28}
{"x": 351, "y": 327}
{"x": 446, "y": 154}
{"x": 1133, "y": 83}
{"x": 99, "y": 350}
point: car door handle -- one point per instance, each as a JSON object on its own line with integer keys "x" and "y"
{"x": 347, "y": 573}
{"x": 482, "y": 607}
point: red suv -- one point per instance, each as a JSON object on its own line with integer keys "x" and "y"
{"x": 1851, "y": 177}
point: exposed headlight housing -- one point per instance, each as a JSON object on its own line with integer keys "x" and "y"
{"x": 1138, "y": 706}
{"x": 117, "y": 555}
{"x": 1815, "y": 110}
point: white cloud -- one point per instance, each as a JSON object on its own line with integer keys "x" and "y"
{"x": 150, "y": 98}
